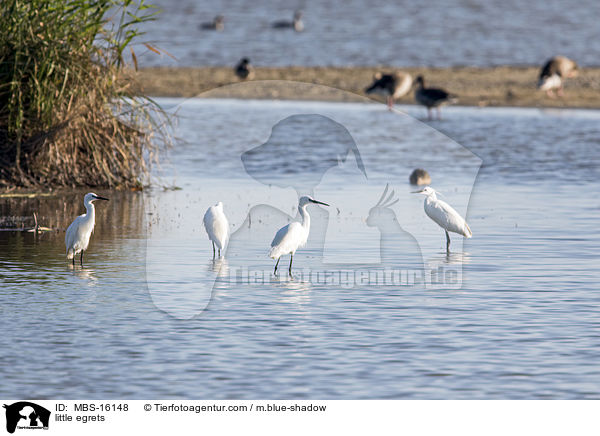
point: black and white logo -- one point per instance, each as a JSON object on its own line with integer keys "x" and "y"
{"x": 26, "y": 415}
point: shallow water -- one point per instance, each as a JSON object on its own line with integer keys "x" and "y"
{"x": 519, "y": 319}
{"x": 356, "y": 33}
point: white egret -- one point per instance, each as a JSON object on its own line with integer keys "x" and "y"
{"x": 78, "y": 233}
{"x": 444, "y": 215}
{"x": 294, "y": 235}
{"x": 217, "y": 226}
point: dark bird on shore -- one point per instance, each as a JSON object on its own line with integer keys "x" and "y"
{"x": 295, "y": 24}
{"x": 244, "y": 70}
{"x": 217, "y": 24}
{"x": 432, "y": 97}
{"x": 420, "y": 177}
{"x": 554, "y": 71}
{"x": 391, "y": 86}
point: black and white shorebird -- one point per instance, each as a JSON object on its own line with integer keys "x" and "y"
{"x": 217, "y": 24}
{"x": 391, "y": 86}
{"x": 432, "y": 97}
{"x": 295, "y": 24}
{"x": 554, "y": 71}
{"x": 244, "y": 70}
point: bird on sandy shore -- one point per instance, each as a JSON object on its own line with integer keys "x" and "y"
{"x": 294, "y": 235}
{"x": 77, "y": 237}
{"x": 244, "y": 70}
{"x": 432, "y": 97}
{"x": 554, "y": 71}
{"x": 295, "y": 24}
{"x": 391, "y": 86}
{"x": 444, "y": 215}
{"x": 217, "y": 24}
{"x": 419, "y": 177}
{"x": 217, "y": 227}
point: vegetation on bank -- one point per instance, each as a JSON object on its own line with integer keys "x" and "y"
{"x": 69, "y": 115}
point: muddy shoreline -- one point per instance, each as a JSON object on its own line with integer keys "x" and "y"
{"x": 496, "y": 86}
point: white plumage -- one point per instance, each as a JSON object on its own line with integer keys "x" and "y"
{"x": 289, "y": 238}
{"x": 444, "y": 215}
{"x": 77, "y": 237}
{"x": 549, "y": 83}
{"x": 293, "y": 235}
{"x": 217, "y": 226}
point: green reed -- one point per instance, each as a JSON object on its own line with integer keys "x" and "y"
{"x": 69, "y": 115}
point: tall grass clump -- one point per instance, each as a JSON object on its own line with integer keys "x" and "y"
{"x": 69, "y": 115}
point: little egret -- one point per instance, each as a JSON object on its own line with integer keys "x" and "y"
{"x": 444, "y": 215}
{"x": 294, "y": 235}
{"x": 78, "y": 233}
{"x": 217, "y": 226}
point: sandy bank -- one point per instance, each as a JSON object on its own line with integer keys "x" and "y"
{"x": 497, "y": 86}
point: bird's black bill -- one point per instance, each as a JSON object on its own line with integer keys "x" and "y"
{"x": 319, "y": 202}
{"x": 97, "y": 197}
{"x": 416, "y": 192}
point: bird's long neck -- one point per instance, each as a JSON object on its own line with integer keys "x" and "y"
{"x": 432, "y": 197}
{"x": 305, "y": 216}
{"x": 90, "y": 212}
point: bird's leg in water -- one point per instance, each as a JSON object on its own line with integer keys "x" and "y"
{"x": 390, "y": 102}
{"x": 213, "y": 250}
{"x": 291, "y": 259}
{"x": 219, "y": 252}
{"x": 276, "y": 265}
{"x": 81, "y": 258}
{"x": 429, "y": 113}
{"x": 73, "y": 257}
{"x": 447, "y": 241}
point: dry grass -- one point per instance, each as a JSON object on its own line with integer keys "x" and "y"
{"x": 68, "y": 113}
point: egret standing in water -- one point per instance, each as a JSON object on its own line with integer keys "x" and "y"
{"x": 217, "y": 226}
{"x": 294, "y": 235}
{"x": 444, "y": 215}
{"x": 78, "y": 234}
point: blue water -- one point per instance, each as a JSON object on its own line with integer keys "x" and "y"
{"x": 355, "y": 33}
{"x": 142, "y": 319}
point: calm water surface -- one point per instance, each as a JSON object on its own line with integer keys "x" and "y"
{"x": 357, "y": 32}
{"x": 141, "y": 319}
